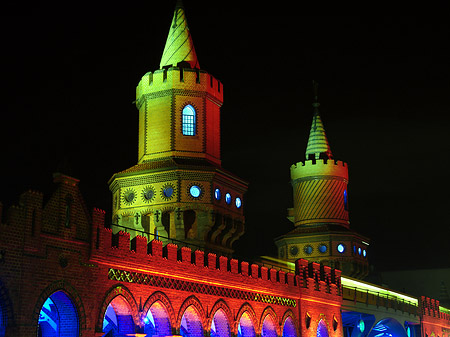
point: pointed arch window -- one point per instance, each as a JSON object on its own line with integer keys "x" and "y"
{"x": 189, "y": 120}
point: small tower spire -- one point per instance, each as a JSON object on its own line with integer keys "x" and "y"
{"x": 179, "y": 46}
{"x": 318, "y": 146}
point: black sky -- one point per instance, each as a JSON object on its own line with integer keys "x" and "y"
{"x": 68, "y": 84}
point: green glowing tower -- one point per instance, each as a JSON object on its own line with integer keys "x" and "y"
{"x": 321, "y": 210}
{"x": 178, "y": 189}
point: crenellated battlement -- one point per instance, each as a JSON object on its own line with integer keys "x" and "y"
{"x": 319, "y": 167}
{"x": 179, "y": 78}
{"x": 311, "y": 276}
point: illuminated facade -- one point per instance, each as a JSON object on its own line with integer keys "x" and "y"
{"x": 64, "y": 273}
{"x": 321, "y": 210}
{"x": 178, "y": 188}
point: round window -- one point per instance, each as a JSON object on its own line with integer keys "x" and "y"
{"x": 238, "y": 202}
{"x": 294, "y": 250}
{"x": 341, "y": 248}
{"x": 322, "y": 248}
{"x": 195, "y": 191}
{"x": 148, "y": 194}
{"x": 308, "y": 249}
{"x": 217, "y": 194}
{"x": 168, "y": 191}
{"x": 228, "y": 198}
{"x": 129, "y": 197}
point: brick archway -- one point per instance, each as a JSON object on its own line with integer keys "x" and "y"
{"x": 269, "y": 313}
{"x": 223, "y": 306}
{"x": 289, "y": 315}
{"x": 247, "y": 308}
{"x": 159, "y": 297}
{"x": 118, "y": 290}
{"x": 195, "y": 303}
{"x": 70, "y": 292}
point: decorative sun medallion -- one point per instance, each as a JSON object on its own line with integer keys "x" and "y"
{"x": 195, "y": 191}
{"x": 293, "y": 250}
{"x": 308, "y": 249}
{"x": 129, "y": 196}
{"x": 148, "y": 194}
{"x": 167, "y": 191}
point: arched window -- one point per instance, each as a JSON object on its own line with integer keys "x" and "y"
{"x": 345, "y": 200}
{"x": 191, "y": 324}
{"x": 245, "y": 328}
{"x": 157, "y": 321}
{"x": 322, "y": 330}
{"x": 219, "y": 325}
{"x": 189, "y": 120}
{"x": 268, "y": 328}
{"x": 118, "y": 320}
{"x": 58, "y": 317}
{"x": 289, "y": 328}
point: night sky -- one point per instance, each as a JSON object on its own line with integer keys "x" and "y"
{"x": 68, "y": 84}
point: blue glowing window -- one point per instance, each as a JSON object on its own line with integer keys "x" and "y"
{"x": 217, "y": 194}
{"x": 345, "y": 200}
{"x": 238, "y": 202}
{"x": 189, "y": 120}
{"x": 364, "y": 253}
{"x": 168, "y": 191}
{"x": 195, "y": 191}
{"x": 228, "y": 198}
{"x": 361, "y": 325}
{"x": 322, "y": 248}
{"x": 359, "y": 251}
{"x": 341, "y": 248}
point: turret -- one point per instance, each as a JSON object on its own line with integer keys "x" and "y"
{"x": 321, "y": 209}
{"x": 178, "y": 189}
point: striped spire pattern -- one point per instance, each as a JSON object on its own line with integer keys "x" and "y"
{"x": 317, "y": 142}
{"x": 320, "y": 199}
{"x": 179, "y": 46}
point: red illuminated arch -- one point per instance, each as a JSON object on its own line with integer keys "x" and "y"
{"x": 289, "y": 315}
{"x": 195, "y": 303}
{"x": 247, "y": 308}
{"x": 161, "y": 297}
{"x": 221, "y": 307}
{"x": 269, "y": 321}
{"x": 118, "y": 290}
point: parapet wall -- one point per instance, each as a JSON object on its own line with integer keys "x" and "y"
{"x": 319, "y": 167}
{"x": 179, "y": 78}
{"x": 173, "y": 258}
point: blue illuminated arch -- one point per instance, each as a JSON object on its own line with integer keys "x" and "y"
{"x": 289, "y": 328}
{"x": 157, "y": 321}
{"x": 268, "y": 327}
{"x": 189, "y": 120}
{"x": 118, "y": 319}
{"x": 191, "y": 324}
{"x": 322, "y": 329}
{"x": 386, "y": 328}
{"x": 58, "y": 317}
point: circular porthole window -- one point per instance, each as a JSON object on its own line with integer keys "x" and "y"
{"x": 341, "y": 248}
{"x": 308, "y": 249}
{"x": 217, "y": 194}
{"x": 238, "y": 202}
{"x": 167, "y": 191}
{"x": 228, "y": 198}
{"x": 148, "y": 194}
{"x": 294, "y": 250}
{"x": 129, "y": 197}
{"x": 195, "y": 191}
{"x": 322, "y": 248}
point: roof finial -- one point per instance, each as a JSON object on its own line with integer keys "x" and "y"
{"x": 316, "y": 103}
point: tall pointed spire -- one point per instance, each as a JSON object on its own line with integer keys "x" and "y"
{"x": 179, "y": 46}
{"x": 317, "y": 142}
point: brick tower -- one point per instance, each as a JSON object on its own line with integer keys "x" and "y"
{"x": 178, "y": 189}
{"x": 321, "y": 214}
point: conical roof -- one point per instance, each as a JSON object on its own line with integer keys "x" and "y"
{"x": 317, "y": 142}
{"x": 179, "y": 46}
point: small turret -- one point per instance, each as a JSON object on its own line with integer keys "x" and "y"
{"x": 321, "y": 211}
